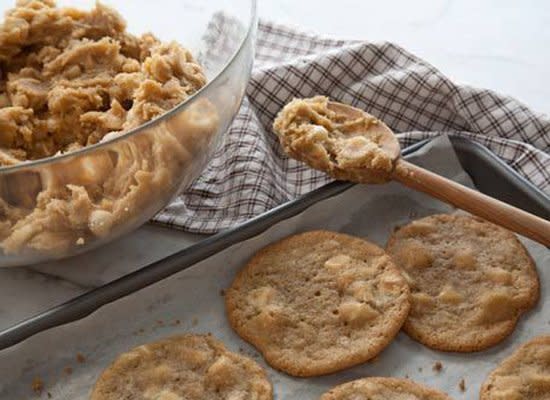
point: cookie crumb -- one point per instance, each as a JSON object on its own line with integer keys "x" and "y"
{"x": 176, "y": 322}
{"x": 80, "y": 241}
{"x": 160, "y": 322}
{"x": 419, "y": 369}
{"x": 195, "y": 321}
{"x": 222, "y": 292}
{"x": 141, "y": 330}
{"x": 68, "y": 370}
{"x": 462, "y": 385}
{"x": 406, "y": 376}
{"x": 437, "y": 367}
{"x": 80, "y": 358}
{"x": 49, "y": 395}
{"x": 37, "y": 385}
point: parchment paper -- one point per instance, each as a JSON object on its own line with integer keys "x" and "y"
{"x": 191, "y": 302}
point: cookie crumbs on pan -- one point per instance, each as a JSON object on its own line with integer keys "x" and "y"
{"x": 80, "y": 358}
{"x": 160, "y": 322}
{"x": 176, "y": 322}
{"x": 49, "y": 395}
{"x": 222, "y": 292}
{"x": 419, "y": 369}
{"x": 195, "y": 321}
{"x": 437, "y": 367}
{"x": 68, "y": 370}
{"x": 462, "y": 385}
{"x": 37, "y": 385}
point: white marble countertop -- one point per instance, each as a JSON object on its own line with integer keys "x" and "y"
{"x": 498, "y": 44}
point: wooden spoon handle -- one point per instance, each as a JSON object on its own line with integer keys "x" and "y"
{"x": 474, "y": 202}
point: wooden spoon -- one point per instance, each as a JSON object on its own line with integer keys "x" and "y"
{"x": 450, "y": 192}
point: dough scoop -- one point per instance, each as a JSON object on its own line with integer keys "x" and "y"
{"x": 349, "y": 144}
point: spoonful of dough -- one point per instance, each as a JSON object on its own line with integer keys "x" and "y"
{"x": 352, "y": 145}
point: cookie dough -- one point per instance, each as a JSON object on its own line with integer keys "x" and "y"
{"x": 523, "y": 375}
{"x": 470, "y": 280}
{"x": 190, "y": 367}
{"x": 318, "y": 302}
{"x": 70, "y": 77}
{"x": 312, "y": 132}
{"x": 82, "y": 200}
{"x": 73, "y": 78}
{"x": 383, "y": 389}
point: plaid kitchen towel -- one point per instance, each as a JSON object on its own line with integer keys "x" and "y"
{"x": 252, "y": 175}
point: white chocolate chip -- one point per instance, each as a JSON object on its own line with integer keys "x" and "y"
{"x": 464, "y": 259}
{"x": 495, "y": 306}
{"x": 499, "y": 275}
{"x": 391, "y": 283}
{"x": 356, "y": 313}
{"x": 222, "y": 372}
{"x": 337, "y": 262}
{"x": 166, "y": 395}
{"x": 262, "y": 296}
{"x": 450, "y": 295}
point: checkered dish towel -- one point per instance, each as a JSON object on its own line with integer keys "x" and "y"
{"x": 252, "y": 175}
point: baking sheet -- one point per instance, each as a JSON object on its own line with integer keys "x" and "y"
{"x": 69, "y": 358}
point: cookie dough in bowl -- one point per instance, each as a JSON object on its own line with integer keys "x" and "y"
{"x": 87, "y": 198}
{"x": 100, "y": 127}
{"x": 70, "y": 77}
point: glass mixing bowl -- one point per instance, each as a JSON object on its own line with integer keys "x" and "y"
{"x": 146, "y": 167}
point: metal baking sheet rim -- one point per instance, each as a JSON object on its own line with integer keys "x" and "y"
{"x": 84, "y": 305}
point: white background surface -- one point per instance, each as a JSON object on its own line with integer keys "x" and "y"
{"x": 499, "y": 44}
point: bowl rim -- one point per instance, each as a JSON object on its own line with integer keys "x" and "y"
{"x": 88, "y": 149}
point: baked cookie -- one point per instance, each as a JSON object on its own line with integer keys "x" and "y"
{"x": 182, "y": 367}
{"x": 470, "y": 281}
{"x": 318, "y": 302}
{"x": 383, "y": 389}
{"x": 315, "y": 132}
{"x": 523, "y": 375}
